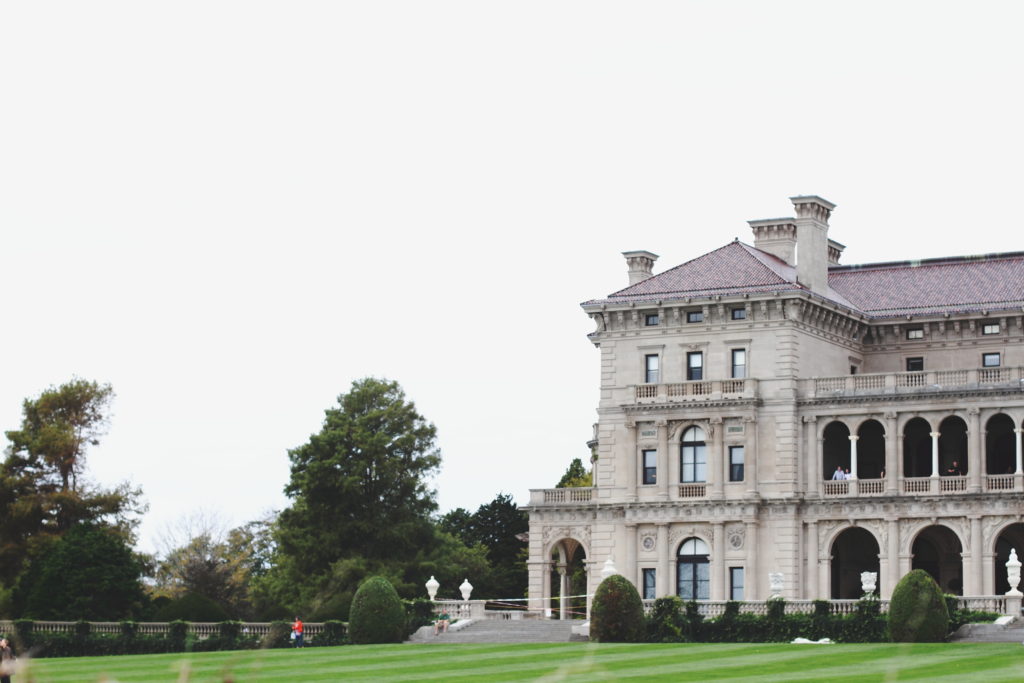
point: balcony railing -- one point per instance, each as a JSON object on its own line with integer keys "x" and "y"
{"x": 900, "y": 382}
{"x": 700, "y": 390}
{"x": 561, "y": 496}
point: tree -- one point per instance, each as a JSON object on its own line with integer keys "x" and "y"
{"x": 917, "y": 610}
{"x": 43, "y": 491}
{"x": 576, "y": 476}
{"x": 90, "y": 573}
{"x": 617, "y": 614}
{"x": 359, "y": 485}
{"x": 498, "y": 526}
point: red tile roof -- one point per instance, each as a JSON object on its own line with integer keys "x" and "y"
{"x": 881, "y": 290}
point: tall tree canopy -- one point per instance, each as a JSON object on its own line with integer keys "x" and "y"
{"x": 43, "y": 492}
{"x": 497, "y": 526}
{"x": 359, "y": 486}
{"x": 575, "y": 476}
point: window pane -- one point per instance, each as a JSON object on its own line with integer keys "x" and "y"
{"x": 739, "y": 314}
{"x": 651, "y": 362}
{"x": 990, "y": 360}
{"x": 650, "y": 581}
{"x": 915, "y": 364}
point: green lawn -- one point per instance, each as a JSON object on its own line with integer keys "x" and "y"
{"x": 987, "y": 662}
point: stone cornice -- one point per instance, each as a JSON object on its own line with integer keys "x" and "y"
{"x": 920, "y": 396}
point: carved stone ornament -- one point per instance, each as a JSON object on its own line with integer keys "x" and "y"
{"x": 648, "y": 542}
{"x": 736, "y": 538}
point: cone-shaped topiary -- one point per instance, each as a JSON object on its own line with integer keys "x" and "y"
{"x": 377, "y": 614}
{"x": 917, "y": 611}
{"x": 617, "y": 615}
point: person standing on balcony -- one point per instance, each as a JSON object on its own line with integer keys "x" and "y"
{"x": 954, "y": 470}
{"x": 839, "y": 474}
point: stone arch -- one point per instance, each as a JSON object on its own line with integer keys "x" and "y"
{"x": 1011, "y": 536}
{"x": 870, "y": 449}
{"x": 1000, "y": 445}
{"x": 917, "y": 448}
{"x": 853, "y": 550}
{"x": 953, "y": 446}
{"x": 568, "y": 576}
{"x": 938, "y": 549}
{"x": 835, "y": 448}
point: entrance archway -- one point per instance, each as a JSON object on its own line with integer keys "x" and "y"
{"x": 855, "y": 550}
{"x": 937, "y": 550}
{"x": 1010, "y": 537}
{"x": 693, "y": 575}
{"x": 568, "y": 578}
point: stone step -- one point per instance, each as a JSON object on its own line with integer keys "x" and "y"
{"x": 500, "y": 631}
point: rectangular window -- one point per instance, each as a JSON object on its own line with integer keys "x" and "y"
{"x": 739, "y": 314}
{"x": 694, "y": 316}
{"x": 739, "y": 363}
{"x": 651, "y": 363}
{"x": 916, "y": 333}
{"x": 693, "y": 462}
{"x": 736, "y": 456}
{"x": 736, "y": 583}
{"x": 853, "y": 369}
{"x": 694, "y": 365}
{"x": 651, "y": 319}
{"x": 991, "y": 328}
{"x": 650, "y": 583}
{"x": 650, "y": 465}
{"x": 990, "y": 360}
{"x": 915, "y": 364}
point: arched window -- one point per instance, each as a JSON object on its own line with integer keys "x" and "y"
{"x": 693, "y": 457}
{"x": 692, "y": 571}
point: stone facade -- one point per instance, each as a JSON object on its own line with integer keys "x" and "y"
{"x": 734, "y": 386}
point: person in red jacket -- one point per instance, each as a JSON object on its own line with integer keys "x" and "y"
{"x": 297, "y": 632}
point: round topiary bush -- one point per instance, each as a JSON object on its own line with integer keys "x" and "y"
{"x": 617, "y": 614}
{"x": 377, "y": 614}
{"x": 917, "y": 611}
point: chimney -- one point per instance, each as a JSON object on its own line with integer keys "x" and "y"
{"x": 812, "y": 243}
{"x": 640, "y": 265}
{"x": 835, "y": 250}
{"x": 777, "y": 236}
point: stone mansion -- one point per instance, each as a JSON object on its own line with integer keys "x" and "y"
{"x": 766, "y": 409}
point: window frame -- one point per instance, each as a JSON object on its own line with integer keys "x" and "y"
{"x": 694, "y": 373}
{"x": 735, "y": 572}
{"x": 695, "y": 316}
{"x": 915, "y": 360}
{"x": 648, "y": 357}
{"x": 915, "y": 333}
{"x": 986, "y": 356}
{"x": 985, "y": 328}
{"x": 733, "y": 365}
{"x": 646, "y": 469}
{"x": 693, "y": 458}
{"x": 652, "y": 319}
{"x": 738, "y": 313}
{"x": 736, "y": 475}
{"x": 649, "y": 580}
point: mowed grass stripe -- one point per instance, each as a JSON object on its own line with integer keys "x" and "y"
{"x": 989, "y": 662}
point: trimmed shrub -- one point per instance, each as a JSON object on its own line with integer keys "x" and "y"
{"x": 917, "y": 612}
{"x": 377, "y": 615}
{"x": 617, "y": 614}
{"x": 333, "y": 634}
{"x": 665, "y": 623}
{"x": 279, "y": 635}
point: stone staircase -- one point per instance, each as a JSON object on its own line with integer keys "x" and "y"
{"x": 1011, "y": 632}
{"x": 501, "y": 631}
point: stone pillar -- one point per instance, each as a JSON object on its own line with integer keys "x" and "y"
{"x": 935, "y": 453}
{"x": 750, "y": 455}
{"x": 751, "y": 577}
{"x": 894, "y": 575}
{"x": 718, "y": 572}
{"x": 812, "y": 457}
{"x": 716, "y": 455}
{"x": 662, "y": 582}
{"x": 893, "y": 448}
{"x": 974, "y": 586}
{"x": 633, "y": 465}
{"x": 662, "y": 459}
{"x": 1018, "y": 470}
{"x": 853, "y": 455}
{"x": 563, "y": 591}
{"x": 975, "y": 451}
{"x": 630, "y": 570}
{"x": 811, "y": 590}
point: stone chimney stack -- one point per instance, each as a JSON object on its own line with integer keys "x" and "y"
{"x": 777, "y": 236}
{"x": 641, "y": 265}
{"x": 812, "y": 243}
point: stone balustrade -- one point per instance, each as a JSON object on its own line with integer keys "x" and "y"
{"x": 909, "y": 382}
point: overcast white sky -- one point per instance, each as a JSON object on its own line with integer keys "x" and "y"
{"x": 231, "y": 210}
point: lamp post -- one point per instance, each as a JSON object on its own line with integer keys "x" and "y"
{"x": 432, "y": 587}
{"x": 466, "y": 588}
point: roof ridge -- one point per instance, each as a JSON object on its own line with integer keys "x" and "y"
{"x": 936, "y": 261}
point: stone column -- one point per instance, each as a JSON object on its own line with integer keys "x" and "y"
{"x": 632, "y": 463}
{"x": 750, "y": 454}
{"x": 751, "y": 580}
{"x": 812, "y": 457}
{"x": 894, "y": 575}
{"x": 662, "y": 582}
{"x": 892, "y": 456}
{"x": 853, "y": 455}
{"x": 935, "y": 455}
{"x": 718, "y": 573}
{"x": 662, "y": 459}
{"x": 812, "y": 562}
{"x": 975, "y": 451}
{"x": 563, "y": 591}
{"x": 716, "y": 455}
{"x": 975, "y": 585}
{"x": 1018, "y": 469}
{"x": 630, "y": 570}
